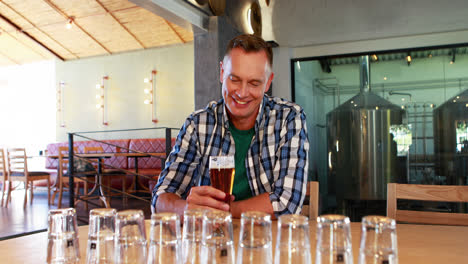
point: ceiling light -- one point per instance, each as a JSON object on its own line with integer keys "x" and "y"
{"x": 452, "y": 61}
{"x": 385, "y": 78}
{"x": 408, "y": 58}
{"x": 374, "y": 57}
{"x": 69, "y": 23}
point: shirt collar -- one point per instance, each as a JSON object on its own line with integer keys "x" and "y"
{"x": 258, "y": 120}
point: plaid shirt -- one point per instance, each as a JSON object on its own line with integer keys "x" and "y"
{"x": 276, "y": 162}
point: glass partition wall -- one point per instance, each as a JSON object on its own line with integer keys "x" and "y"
{"x": 408, "y": 125}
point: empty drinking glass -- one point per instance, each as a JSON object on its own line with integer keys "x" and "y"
{"x": 254, "y": 238}
{"x": 192, "y": 236}
{"x": 378, "y": 241}
{"x": 164, "y": 239}
{"x": 333, "y": 240}
{"x": 62, "y": 244}
{"x": 292, "y": 242}
{"x": 130, "y": 237}
{"x": 217, "y": 238}
{"x": 100, "y": 248}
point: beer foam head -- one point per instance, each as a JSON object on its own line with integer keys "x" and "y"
{"x": 221, "y": 162}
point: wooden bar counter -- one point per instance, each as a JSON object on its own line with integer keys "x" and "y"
{"x": 416, "y": 244}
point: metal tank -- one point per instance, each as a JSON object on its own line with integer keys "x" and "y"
{"x": 450, "y": 145}
{"x": 362, "y": 156}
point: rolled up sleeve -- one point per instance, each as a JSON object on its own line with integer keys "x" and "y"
{"x": 289, "y": 189}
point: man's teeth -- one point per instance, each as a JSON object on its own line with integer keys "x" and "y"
{"x": 239, "y": 102}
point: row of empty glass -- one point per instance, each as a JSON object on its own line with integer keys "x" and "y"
{"x": 207, "y": 236}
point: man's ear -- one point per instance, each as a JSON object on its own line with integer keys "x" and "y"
{"x": 270, "y": 79}
{"x": 221, "y": 72}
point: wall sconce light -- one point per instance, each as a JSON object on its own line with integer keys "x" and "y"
{"x": 101, "y": 98}
{"x": 60, "y": 99}
{"x": 408, "y": 59}
{"x": 150, "y": 93}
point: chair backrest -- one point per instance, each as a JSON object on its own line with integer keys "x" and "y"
{"x": 17, "y": 161}
{"x": 311, "y": 204}
{"x": 441, "y": 193}
{"x": 63, "y": 160}
{"x": 96, "y": 149}
{"x": 3, "y": 167}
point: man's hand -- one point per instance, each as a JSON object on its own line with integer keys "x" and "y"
{"x": 199, "y": 197}
{"x": 206, "y": 197}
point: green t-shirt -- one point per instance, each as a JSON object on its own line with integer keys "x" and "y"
{"x": 242, "y": 140}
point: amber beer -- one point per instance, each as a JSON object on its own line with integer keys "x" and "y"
{"x": 222, "y": 174}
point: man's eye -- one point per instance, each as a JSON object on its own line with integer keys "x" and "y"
{"x": 255, "y": 84}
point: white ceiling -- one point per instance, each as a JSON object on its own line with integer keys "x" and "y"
{"x": 313, "y": 22}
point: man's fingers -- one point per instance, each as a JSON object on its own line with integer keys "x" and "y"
{"x": 208, "y": 197}
{"x": 208, "y": 191}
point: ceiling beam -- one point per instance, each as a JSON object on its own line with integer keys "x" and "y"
{"x": 37, "y": 28}
{"x": 179, "y": 12}
{"x": 17, "y": 28}
{"x": 56, "y": 8}
{"x": 122, "y": 25}
{"x": 173, "y": 30}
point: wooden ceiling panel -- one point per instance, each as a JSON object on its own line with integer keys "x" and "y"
{"x": 9, "y": 32}
{"x": 52, "y": 44}
{"x": 5, "y": 61}
{"x": 37, "y": 11}
{"x": 79, "y": 8}
{"x": 109, "y": 33}
{"x": 17, "y": 51}
{"x": 152, "y": 30}
{"x": 115, "y": 5}
{"x": 186, "y": 35}
{"x": 13, "y": 16}
{"x": 101, "y": 27}
{"x": 75, "y": 40}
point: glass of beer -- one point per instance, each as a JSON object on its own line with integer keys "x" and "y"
{"x": 222, "y": 169}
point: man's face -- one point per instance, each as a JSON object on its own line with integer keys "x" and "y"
{"x": 245, "y": 77}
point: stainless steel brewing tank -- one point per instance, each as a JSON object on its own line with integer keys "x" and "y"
{"x": 447, "y": 154}
{"x": 362, "y": 156}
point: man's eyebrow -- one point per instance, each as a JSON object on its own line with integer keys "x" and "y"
{"x": 232, "y": 75}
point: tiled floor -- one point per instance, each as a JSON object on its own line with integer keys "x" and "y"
{"x": 16, "y": 221}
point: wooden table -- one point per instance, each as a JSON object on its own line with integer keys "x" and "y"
{"x": 423, "y": 244}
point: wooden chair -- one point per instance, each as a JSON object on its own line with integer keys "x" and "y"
{"x": 62, "y": 176}
{"x": 107, "y": 174}
{"x": 310, "y": 207}
{"x": 441, "y": 193}
{"x": 18, "y": 171}
{"x": 3, "y": 175}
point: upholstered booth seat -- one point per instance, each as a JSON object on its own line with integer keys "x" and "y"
{"x": 148, "y": 166}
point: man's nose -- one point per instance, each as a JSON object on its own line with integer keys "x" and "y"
{"x": 243, "y": 90}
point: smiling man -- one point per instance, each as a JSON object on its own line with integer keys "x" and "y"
{"x": 267, "y": 137}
